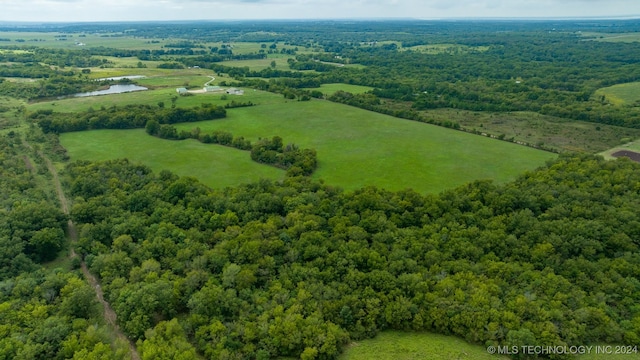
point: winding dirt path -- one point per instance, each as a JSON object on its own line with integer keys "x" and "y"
{"x": 109, "y": 315}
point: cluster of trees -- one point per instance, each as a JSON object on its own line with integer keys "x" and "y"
{"x": 53, "y": 315}
{"x": 31, "y": 224}
{"x": 297, "y": 268}
{"x": 56, "y": 57}
{"x": 50, "y": 86}
{"x": 30, "y": 70}
{"x": 126, "y": 117}
{"x": 297, "y": 162}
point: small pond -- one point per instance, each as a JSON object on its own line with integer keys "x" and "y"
{"x": 113, "y": 89}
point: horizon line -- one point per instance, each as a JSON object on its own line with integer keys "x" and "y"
{"x": 478, "y": 18}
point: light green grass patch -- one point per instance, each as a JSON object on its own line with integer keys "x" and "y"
{"x": 631, "y": 145}
{"x": 153, "y": 97}
{"x": 259, "y": 64}
{"x": 611, "y": 37}
{"x": 10, "y": 119}
{"x": 454, "y": 49}
{"x": 357, "y": 148}
{"x": 216, "y": 166}
{"x": 70, "y": 105}
{"x": 7, "y": 51}
{"x": 396, "y": 345}
{"x": 330, "y": 89}
{"x": 254, "y": 47}
{"x": 620, "y": 94}
{"x": 536, "y": 129}
{"x": 611, "y": 352}
{"x": 58, "y": 40}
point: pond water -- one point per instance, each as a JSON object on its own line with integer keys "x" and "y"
{"x": 113, "y": 89}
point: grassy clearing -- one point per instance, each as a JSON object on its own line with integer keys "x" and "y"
{"x": 632, "y": 145}
{"x": 358, "y": 148}
{"x": 329, "y": 89}
{"x": 396, "y": 345}
{"x": 70, "y": 105}
{"x": 608, "y": 352}
{"x": 434, "y": 49}
{"x": 68, "y": 40}
{"x": 612, "y": 37}
{"x": 216, "y": 166}
{"x": 153, "y": 97}
{"x": 9, "y": 117}
{"x": 621, "y": 94}
{"x": 533, "y": 128}
{"x": 259, "y": 64}
{"x": 254, "y": 47}
{"x": 355, "y": 147}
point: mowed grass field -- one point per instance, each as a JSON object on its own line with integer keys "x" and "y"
{"x": 216, "y": 166}
{"x": 398, "y": 345}
{"x": 612, "y": 37}
{"x": 330, "y": 89}
{"x": 434, "y": 49}
{"x": 357, "y": 148}
{"x": 620, "y": 94}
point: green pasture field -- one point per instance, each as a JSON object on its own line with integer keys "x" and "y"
{"x": 330, "y": 89}
{"x": 397, "y": 345}
{"x": 153, "y": 97}
{"x": 215, "y": 165}
{"x": 620, "y": 94}
{"x": 254, "y": 47}
{"x": 259, "y": 64}
{"x": 53, "y": 40}
{"x": 433, "y": 49}
{"x": 612, "y": 37}
{"x": 5, "y": 51}
{"x": 70, "y": 105}
{"x": 357, "y": 148}
{"x": 533, "y": 128}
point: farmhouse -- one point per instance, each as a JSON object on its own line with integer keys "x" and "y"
{"x": 181, "y": 90}
{"x": 234, "y": 91}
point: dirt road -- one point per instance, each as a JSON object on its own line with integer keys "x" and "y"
{"x": 109, "y": 315}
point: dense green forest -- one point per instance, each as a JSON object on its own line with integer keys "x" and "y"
{"x": 44, "y": 314}
{"x": 298, "y": 267}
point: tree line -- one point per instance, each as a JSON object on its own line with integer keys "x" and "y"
{"x": 297, "y": 162}
{"x": 125, "y": 117}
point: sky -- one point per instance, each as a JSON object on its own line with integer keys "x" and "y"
{"x": 136, "y": 10}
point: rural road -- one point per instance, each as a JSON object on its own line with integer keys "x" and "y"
{"x": 109, "y": 315}
{"x": 202, "y": 91}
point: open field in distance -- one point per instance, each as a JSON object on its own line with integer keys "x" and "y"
{"x": 620, "y": 94}
{"x": 358, "y": 148}
{"x": 215, "y": 165}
